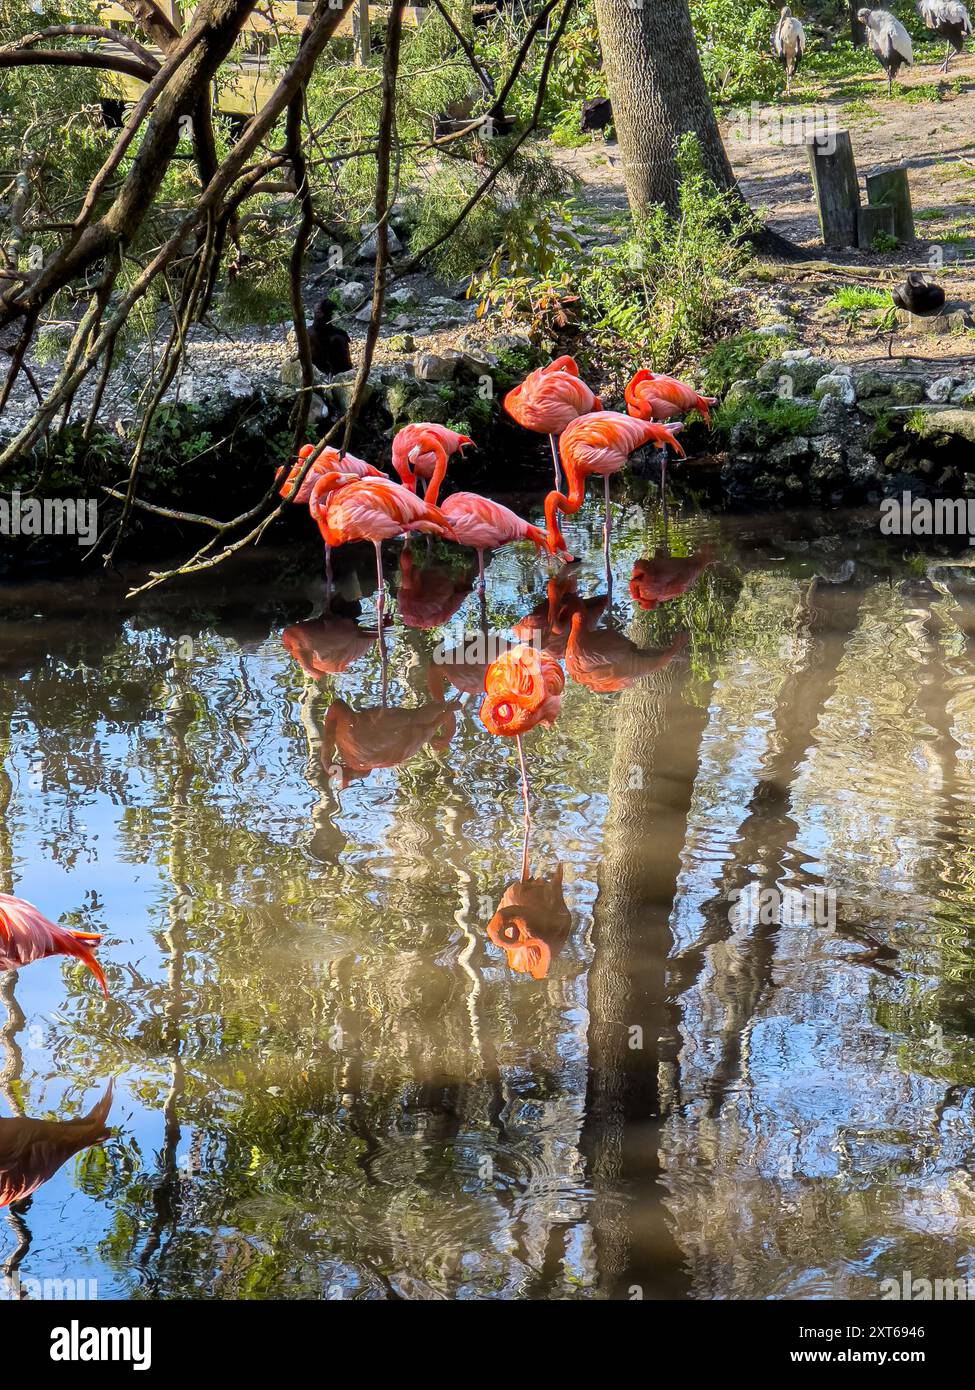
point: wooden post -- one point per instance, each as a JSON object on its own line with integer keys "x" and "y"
{"x": 891, "y": 188}
{"x": 360, "y": 31}
{"x": 834, "y": 176}
{"x": 870, "y": 221}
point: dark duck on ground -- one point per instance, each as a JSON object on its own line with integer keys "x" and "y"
{"x": 330, "y": 350}
{"x": 918, "y": 295}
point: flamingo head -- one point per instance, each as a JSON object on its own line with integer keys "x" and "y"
{"x": 527, "y": 954}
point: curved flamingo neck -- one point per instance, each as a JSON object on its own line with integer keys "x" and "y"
{"x": 439, "y": 472}
{"x": 557, "y": 502}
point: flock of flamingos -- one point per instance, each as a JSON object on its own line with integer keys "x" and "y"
{"x": 351, "y": 500}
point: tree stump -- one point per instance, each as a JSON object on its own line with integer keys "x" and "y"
{"x": 834, "y": 176}
{"x": 891, "y": 188}
{"x": 870, "y": 221}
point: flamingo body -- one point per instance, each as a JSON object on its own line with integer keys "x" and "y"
{"x": 371, "y": 509}
{"x": 523, "y": 688}
{"x": 328, "y": 461}
{"x": 26, "y": 935}
{"x": 550, "y": 398}
{"x": 531, "y": 923}
{"x": 653, "y": 396}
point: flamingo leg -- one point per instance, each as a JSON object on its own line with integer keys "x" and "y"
{"x": 524, "y": 854}
{"x": 328, "y": 574}
{"x": 555, "y": 461}
{"x": 480, "y": 571}
{"x": 524, "y": 785}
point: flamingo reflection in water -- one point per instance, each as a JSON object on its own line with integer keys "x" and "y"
{"x": 548, "y": 624}
{"x": 532, "y": 921}
{"x": 665, "y": 577}
{"x": 604, "y": 660}
{"x": 329, "y": 645}
{"x": 356, "y": 742}
{"x": 32, "y": 1151}
{"x": 429, "y": 595}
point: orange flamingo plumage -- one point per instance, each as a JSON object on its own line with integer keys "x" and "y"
{"x": 483, "y": 525}
{"x": 653, "y": 396}
{"x": 373, "y": 509}
{"x": 26, "y": 935}
{"x": 549, "y": 399}
{"x": 532, "y": 922}
{"x": 599, "y": 445}
{"x": 328, "y": 461}
{"x": 32, "y": 1151}
{"x": 413, "y": 456}
{"x": 522, "y": 688}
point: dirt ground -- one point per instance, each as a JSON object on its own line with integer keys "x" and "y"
{"x": 933, "y": 134}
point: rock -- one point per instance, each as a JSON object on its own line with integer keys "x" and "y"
{"x": 432, "y": 366}
{"x": 775, "y": 330}
{"x": 838, "y": 384}
{"x": 401, "y": 342}
{"x": 955, "y": 317}
{"x": 367, "y": 248}
{"x": 350, "y": 293}
{"x": 940, "y": 390}
{"x": 799, "y": 374}
{"x": 790, "y": 451}
{"x": 958, "y": 424}
{"x": 401, "y": 296}
{"x": 364, "y": 314}
{"x": 833, "y": 418}
{"x": 964, "y": 394}
{"x": 477, "y": 363}
{"x": 739, "y": 391}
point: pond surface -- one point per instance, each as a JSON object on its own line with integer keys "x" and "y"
{"x": 735, "y": 1058}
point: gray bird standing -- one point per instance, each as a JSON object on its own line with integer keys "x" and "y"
{"x": 949, "y": 20}
{"x": 889, "y": 41}
{"x": 789, "y": 44}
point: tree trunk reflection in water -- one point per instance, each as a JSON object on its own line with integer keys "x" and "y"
{"x": 13, "y": 1020}
{"x": 654, "y": 765}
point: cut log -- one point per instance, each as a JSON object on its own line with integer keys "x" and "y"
{"x": 870, "y": 221}
{"x": 891, "y": 188}
{"x": 834, "y": 176}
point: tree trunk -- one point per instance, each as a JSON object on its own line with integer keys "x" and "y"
{"x": 657, "y": 88}
{"x": 856, "y": 28}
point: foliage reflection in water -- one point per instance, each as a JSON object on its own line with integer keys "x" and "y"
{"x": 366, "y": 1041}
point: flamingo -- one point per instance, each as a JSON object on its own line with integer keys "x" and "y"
{"x": 328, "y": 461}
{"x": 523, "y": 687}
{"x": 653, "y": 396}
{"x": 549, "y": 399}
{"x": 665, "y": 577}
{"x": 599, "y": 444}
{"x": 32, "y": 1151}
{"x": 485, "y": 525}
{"x": 26, "y": 935}
{"x": 413, "y": 454}
{"x": 531, "y": 922}
{"x": 372, "y": 509}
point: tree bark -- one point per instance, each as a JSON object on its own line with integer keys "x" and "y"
{"x": 658, "y": 92}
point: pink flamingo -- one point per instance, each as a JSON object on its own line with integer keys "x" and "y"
{"x": 654, "y": 396}
{"x": 549, "y": 399}
{"x": 599, "y": 445}
{"x": 373, "y": 509}
{"x": 414, "y": 455}
{"x": 26, "y": 935}
{"x": 328, "y": 461}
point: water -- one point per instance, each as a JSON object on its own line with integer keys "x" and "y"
{"x": 328, "y": 1079}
